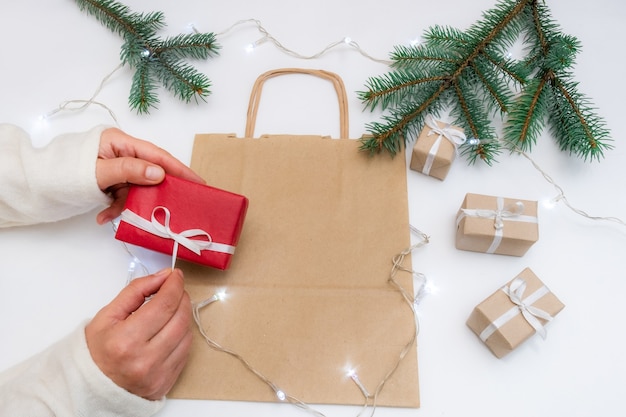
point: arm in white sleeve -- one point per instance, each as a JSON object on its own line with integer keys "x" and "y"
{"x": 63, "y": 381}
{"x": 44, "y": 185}
{"x": 47, "y": 184}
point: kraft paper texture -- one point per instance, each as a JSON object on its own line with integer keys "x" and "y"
{"x": 444, "y": 157}
{"x": 476, "y": 234}
{"x": 517, "y": 330}
{"x": 307, "y": 291}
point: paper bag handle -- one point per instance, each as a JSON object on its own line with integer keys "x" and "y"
{"x": 255, "y": 96}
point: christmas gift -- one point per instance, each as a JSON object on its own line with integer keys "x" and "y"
{"x": 498, "y": 225}
{"x": 514, "y": 313}
{"x": 191, "y": 221}
{"x": 308, "y": 297}
{"x": 436, "y": 148}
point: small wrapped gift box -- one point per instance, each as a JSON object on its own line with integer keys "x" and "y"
{"x": 496, "y": 225}
{"x": 514, "y": 313}
{"x": 191, "y": 221}
{"x": 436, "y": 148}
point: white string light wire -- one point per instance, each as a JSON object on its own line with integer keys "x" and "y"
{"x": 81, "y": 104}
{"x": 561, "y": 196}
{"x": 398, "y": 266}
{"x": 561, "y": 193}
{"x": 268, "y": 37}
{"x": 78, "y": 104}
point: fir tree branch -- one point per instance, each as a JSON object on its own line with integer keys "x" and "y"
{"x": 512, "y": 71}
{"x": 390, "y": 136}
{"x": 577, "y": 129}
{"x": 468, "y": 73}
{"x": 465, "y": 111}
{"x": 446, "y": 36}
{"x": 411, "y": 57}
{"x": 526, "y": 117}
{"x": 183, "y": 80}
{"x": 152, "y": 57}
{"x": 496, "y": 94}
{"x": 391, "y": 91}
{"x": 119, "y": 19}
{"x": 539, "y": 32}
{"x": 196, "y": 46}
{"x": 375, "y": 143}
{"x": 142, "y": 96}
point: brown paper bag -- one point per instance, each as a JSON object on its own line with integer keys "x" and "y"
{"x": 307, "y": 291}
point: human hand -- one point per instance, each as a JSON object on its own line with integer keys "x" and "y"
{"x": 124, "y": 160}
{"x": 143, "y": 346}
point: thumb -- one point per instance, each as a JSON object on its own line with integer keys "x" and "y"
{"x": 134, "y": 294}
{"x": 127, "y": 170}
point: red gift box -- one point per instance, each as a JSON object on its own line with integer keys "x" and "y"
{"x": 194, "y": 222}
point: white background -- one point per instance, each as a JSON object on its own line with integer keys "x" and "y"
{"x": 53, "y": 276}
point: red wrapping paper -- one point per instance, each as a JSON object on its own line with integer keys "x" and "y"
{"x": 192, "y": 206}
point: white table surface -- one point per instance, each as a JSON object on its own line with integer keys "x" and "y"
{"x": 53, "y": 276}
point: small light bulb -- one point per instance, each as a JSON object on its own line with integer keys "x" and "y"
{"x": 145, "y": 53}
{"x": 347, "y": 40}
{"x": 191, "y": 28}
{"x": 281, "y": 395}
{"x": 551, "y": 203}
{"x": 354, "y": 377}
{"x": 415, "y": 42}
{"x": 473, "y": 141}
{"x": 221, "y": 295}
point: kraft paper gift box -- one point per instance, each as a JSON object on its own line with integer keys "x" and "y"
{"x": 514, "y": 313}
{"x": 497, "y": 225}
{"x": 194, "y": 222}
{"x": 435, "y": 148}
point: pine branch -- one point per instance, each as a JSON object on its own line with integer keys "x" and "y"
{"x": 466, "y": 49}
{"x": 394, "y": 88}
{"x": 153, "y": 58}
{"x": 446, "y": 36}
{"x": 552, "y": 96}
{"x": 142, "y": 95}
{"x": 195, "y": 46}
{"x": 527, "y": 117}
{"x": 181, "y": 79}
{"x": 470, "y": 74}
{"x": 120, "y": 20}
{"x": 576, "y": 127}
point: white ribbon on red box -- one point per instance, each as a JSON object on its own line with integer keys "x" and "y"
{"x": 183, "y": 238}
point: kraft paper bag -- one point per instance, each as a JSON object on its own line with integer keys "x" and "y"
{"x": 307, "y": 294}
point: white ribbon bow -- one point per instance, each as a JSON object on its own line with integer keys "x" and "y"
{"x": 531, "y": 314}
{"x": 512, "y": 212}
{"x": 154, "y": 227}
{"x": 454, "y": 136}
{"x": 498, "y": 215}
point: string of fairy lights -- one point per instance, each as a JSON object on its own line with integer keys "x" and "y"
{"x": 421, "y": 285}
{"x": 78, "y": 105}
{"x": 369, "y": 399}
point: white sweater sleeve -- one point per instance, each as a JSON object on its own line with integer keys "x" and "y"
{"x": 63, "y": 381}
{"x": 50, "y": 183}
{"x": 44, "y": 185}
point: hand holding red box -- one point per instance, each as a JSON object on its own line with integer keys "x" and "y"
{"x": 194, "y": 222}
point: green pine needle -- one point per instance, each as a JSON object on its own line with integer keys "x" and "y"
{"x": 468, "y": 75}
{"x": 152, "y": 58}
{"x": 143, "y": 96}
